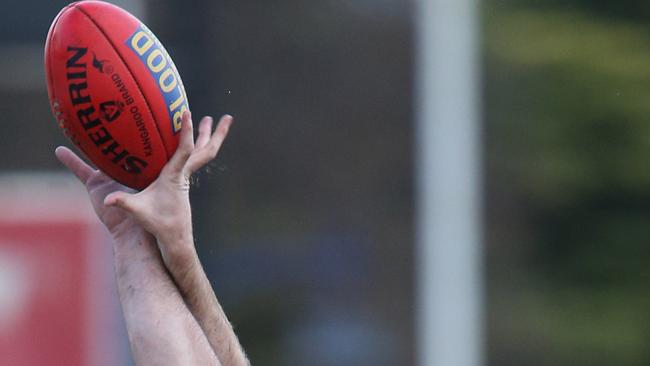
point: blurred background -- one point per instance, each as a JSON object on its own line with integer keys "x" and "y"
{"x": 305, "y": 223}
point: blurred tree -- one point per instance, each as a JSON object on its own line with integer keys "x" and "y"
{"x": 638, "y": 10}
{"x": 567, "y": 96}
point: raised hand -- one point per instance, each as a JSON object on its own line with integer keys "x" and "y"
{"x": 163, "y": 208}
{"x": 99, "y": 185}
{"x": 184, "y": 322}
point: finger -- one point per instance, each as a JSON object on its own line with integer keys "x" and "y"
{"x": 205, "y": 128}
{"x": 185, "y": 145}
{"x": 202, "y": 156}
{"x": 123, "y": 200}
{"x": 74, "y": 163}
{"x": 99, "y": 178}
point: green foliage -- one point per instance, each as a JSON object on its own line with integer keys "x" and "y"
{"x": 568, "y": 136}
{"x": 637, "y": 10}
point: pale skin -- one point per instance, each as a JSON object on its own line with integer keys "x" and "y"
{"x": 172, "y": 314}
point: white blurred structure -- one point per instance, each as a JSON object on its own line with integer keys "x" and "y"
{"x": 449, "y": 319}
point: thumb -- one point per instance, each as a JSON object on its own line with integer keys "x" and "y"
{"x": 120, "y": 199}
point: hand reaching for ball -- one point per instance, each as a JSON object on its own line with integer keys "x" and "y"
{"x": 163, "y": 208}
{"x": 161, "y": 214}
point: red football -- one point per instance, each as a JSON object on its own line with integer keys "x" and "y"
{"x": 114, "y": 90}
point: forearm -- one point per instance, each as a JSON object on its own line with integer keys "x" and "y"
{"x": 161, "y": 329}
{"x": 184, "y": 265}
{"x": 163, "y": 209}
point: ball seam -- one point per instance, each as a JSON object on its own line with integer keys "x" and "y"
{"x": 48, "y": 71}
{"x": 126, "y": 65}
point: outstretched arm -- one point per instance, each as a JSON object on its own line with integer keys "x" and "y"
{"x": 161, "y": 329}
{"x": 163, "y": 209}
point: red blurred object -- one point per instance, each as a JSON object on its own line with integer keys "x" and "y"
{"x": 57, "y": 295}
{"x": 114, "y": 90}
{"x": 50, "y": 325}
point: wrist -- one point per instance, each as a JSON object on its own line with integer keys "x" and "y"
{"x": 176, "y": 236}
{"x": 132, "y": 242}
{"x": 127, "y": 231}
{"x": 178, "y": 252}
